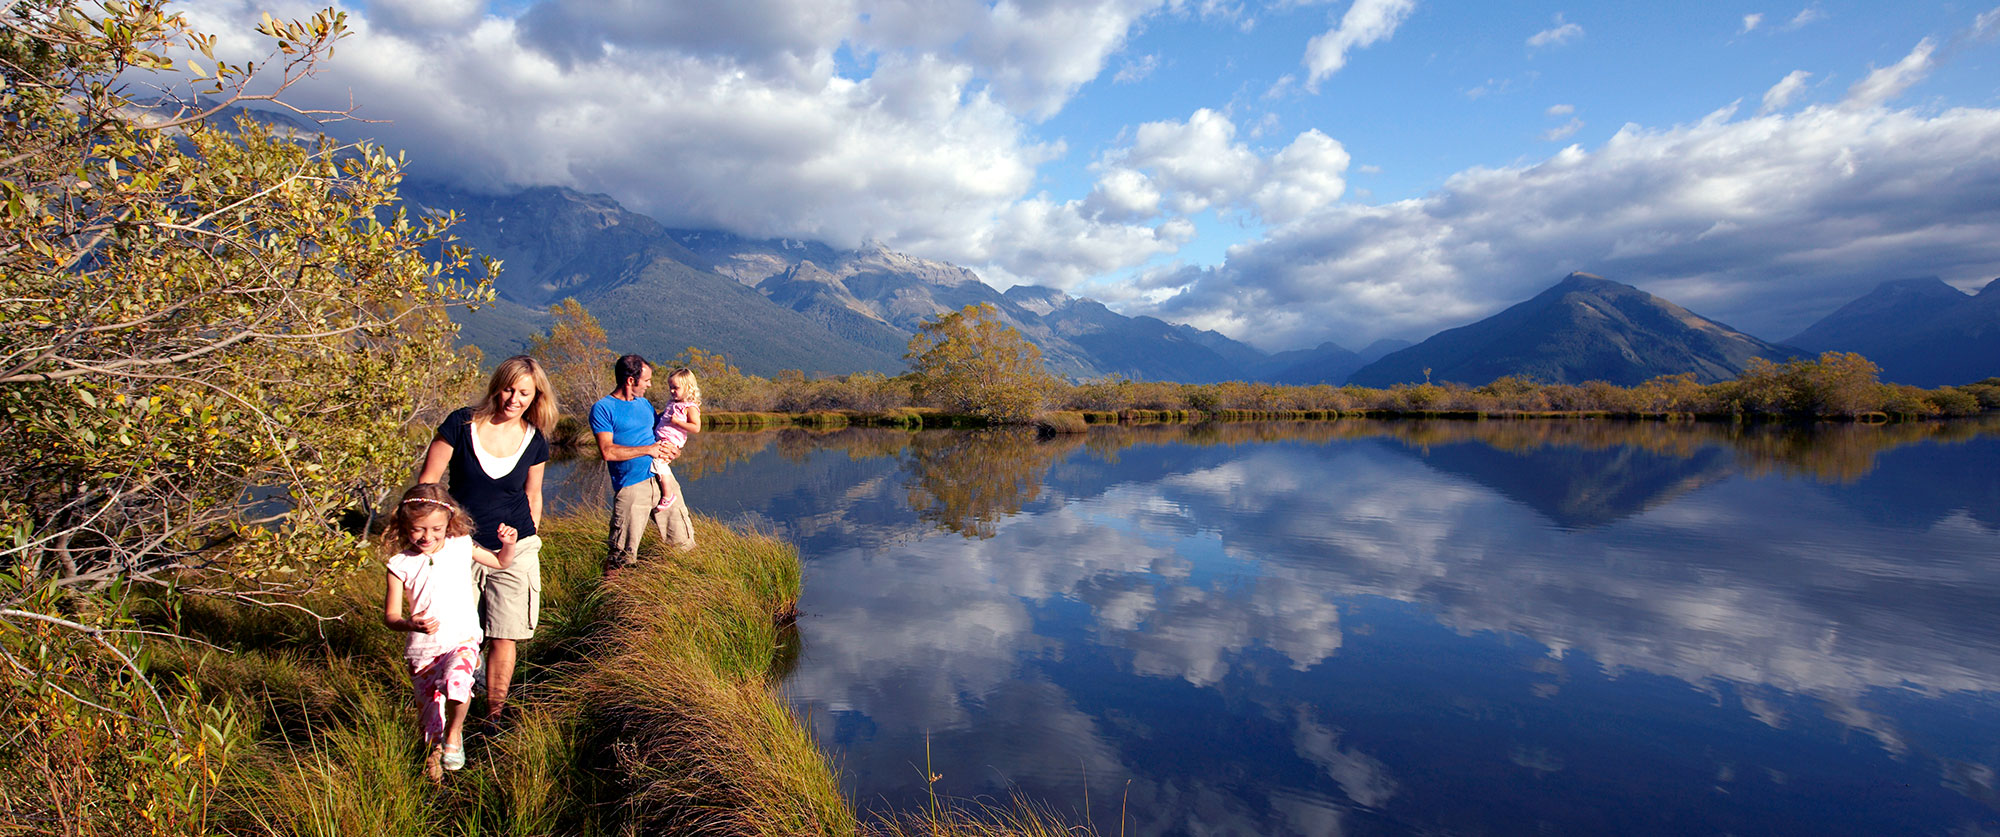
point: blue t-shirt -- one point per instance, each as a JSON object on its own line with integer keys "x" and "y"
{"x": 631, "y": 425}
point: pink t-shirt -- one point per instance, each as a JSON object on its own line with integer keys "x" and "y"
{"x": 440, "y": 586}
{"x": 663, "y": 428}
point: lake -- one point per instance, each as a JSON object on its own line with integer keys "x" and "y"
{"x": 1412, "y": 627}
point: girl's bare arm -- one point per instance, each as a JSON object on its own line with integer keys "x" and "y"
{"x": 505, "y": 557}
{"x": 690, "y": 420}
{"x": 392, "y": 610}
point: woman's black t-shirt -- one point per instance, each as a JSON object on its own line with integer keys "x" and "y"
{"x": 490, "y": 500}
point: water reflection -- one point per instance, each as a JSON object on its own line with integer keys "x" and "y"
{"x": 1353, "y": 627}
{"x": 968, "y": 482}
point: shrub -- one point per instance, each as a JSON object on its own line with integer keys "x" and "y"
{"x": 1061, "y": 421}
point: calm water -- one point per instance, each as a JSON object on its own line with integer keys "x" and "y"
{"x": 1398, "y": 628}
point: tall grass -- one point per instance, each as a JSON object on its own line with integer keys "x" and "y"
{"x": 680, "y": 701}
{"x": 643, "y": 706}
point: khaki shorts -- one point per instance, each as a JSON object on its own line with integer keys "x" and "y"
{"x": 510, "y": 600}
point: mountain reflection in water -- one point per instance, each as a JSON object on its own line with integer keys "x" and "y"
{"x": 1398, "y": 627}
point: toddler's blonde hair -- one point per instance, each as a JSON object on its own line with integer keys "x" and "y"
{"x": 690, "y": 388}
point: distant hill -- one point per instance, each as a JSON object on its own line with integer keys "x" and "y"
{"x": 871, "y": 292}
{"x": 1327, "y": 363}
{"x": 652, "y": 295}
{"x": 1584, "y": 328}
{"x": 1919, "y": 331}
{"x": 773, "y": 304}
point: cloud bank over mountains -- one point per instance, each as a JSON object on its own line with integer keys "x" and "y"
{"x": 924, "y": 126}
{"x": 1765, "y": 223}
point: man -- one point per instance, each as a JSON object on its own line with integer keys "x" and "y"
{"x": 623, "y": 424}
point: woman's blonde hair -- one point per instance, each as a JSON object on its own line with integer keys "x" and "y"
{"x": 541, "y": 412}
{"x": 690, "y": 388}
{"x": 422, "y": 499}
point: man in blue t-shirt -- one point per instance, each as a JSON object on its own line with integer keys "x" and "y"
{"x": 623, "y": 423}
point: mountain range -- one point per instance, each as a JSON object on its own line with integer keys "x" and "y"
{"x": 1920, "y": 331}
{"x": 773, "y": 304}
{"x": 1585, "y": 328}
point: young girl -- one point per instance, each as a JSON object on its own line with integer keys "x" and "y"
{"x": 431, "y": 557}
{"x": 681, "y": 417}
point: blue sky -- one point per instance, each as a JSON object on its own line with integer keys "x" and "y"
{"x": 1287, "y": 172}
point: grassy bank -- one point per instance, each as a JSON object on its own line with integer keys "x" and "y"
{"x": 643, "y": 706}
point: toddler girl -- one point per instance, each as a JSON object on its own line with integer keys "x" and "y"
{"x": 431, "y": 557}
{"x": 681, "y": 417}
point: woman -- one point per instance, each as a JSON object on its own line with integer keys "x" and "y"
{"x": 495, "y": 453}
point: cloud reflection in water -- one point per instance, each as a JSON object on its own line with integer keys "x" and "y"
{"x": 1235, "y": 620}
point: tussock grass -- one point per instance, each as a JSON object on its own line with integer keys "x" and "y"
{"x": 1060, "y": 421}
{"x": 1019, "y": 818}
{"x": 682, "y": 704}
{"x": 643, "y": 706}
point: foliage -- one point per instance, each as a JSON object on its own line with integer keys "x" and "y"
{"x": 212, "y": 342}
{"x": 970, "y": 362}
{"x": 723, "y": 386}
{"x": 129, "y": 761}
{"x": 967, "y": 352}
{"x": 577, "y": 356}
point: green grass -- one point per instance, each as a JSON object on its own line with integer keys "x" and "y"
{"x": 644, "y": 705}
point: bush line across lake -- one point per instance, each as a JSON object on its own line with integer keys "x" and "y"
{"x": 1835, "y": 385}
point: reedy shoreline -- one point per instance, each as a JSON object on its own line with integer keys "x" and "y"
{"x": 645, "y": 705}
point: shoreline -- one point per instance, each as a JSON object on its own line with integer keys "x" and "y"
{"x": 576, "y": 438}
{"x": 645, "y": 704}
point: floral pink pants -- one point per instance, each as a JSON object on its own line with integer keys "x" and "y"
{"x": 438, "y": 680}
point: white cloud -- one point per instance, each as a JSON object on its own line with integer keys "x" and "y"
{"x": 739, "y": 115}
{"x": 1805, "y": 16}
{"x": 1563, "y": 32}
{"x": 1561, "y": 110}
{"x": 1367, "y": 22}
{"x": 1987, "y": 24}
{"x": 421, "y": 15}
{"x": 1198, "y": 160}
{"x": 1750, "y": 21}
{"x": 1765, "y": 223}
{"x": 1306, "y": 175}
{"x": 1781, "y": 93}
{"x": 1885, "y": 83}
{"x": 1563, "y": 131}
{"x": 1199, "y": 164}
{"x": 1124, "y": 194}
{"x": 1042, "y": 242}
{"x": 1137, "y": 69}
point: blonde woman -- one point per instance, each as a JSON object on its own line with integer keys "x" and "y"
{"x": 495, "y": 452}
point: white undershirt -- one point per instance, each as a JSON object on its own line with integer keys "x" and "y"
{"x": 499, "y": 466}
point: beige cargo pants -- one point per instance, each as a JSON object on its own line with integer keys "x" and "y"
{"x": 630, "y": 509}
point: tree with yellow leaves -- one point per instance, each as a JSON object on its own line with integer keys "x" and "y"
{"x": 213, "y": 342}
{"x": 971, "y": 363}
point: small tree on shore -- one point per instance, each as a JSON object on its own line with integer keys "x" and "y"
{"x": 969, "y": 362}
{"x": 213, "y": 342}
{"x": 577, "y": 355}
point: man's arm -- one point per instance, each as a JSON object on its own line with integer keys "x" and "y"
{"x": 612, "y": 452}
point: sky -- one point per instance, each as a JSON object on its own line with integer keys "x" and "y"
{"x": 1286, "y": 173}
